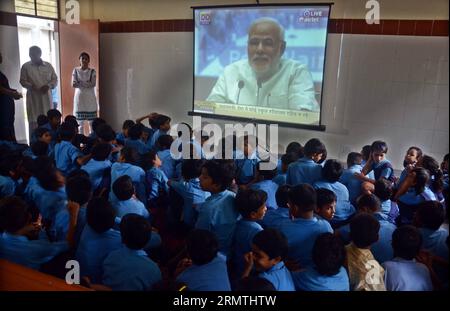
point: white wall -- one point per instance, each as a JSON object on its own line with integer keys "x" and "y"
{"x": 376, "y": 87}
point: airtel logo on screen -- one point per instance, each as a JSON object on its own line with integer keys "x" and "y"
{"x": 310, "y": 16}
{"x": 205, "y": 18}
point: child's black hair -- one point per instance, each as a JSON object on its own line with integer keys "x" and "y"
{"x": 419, "y": 154}
{"x": 53, "y": 113}
{"x": 96, "y": 122}
{"x": 314, "y": 146}
{"x": 135, "y": 132}
{"x": 164, "y": 142}
{"x": 250, "y": 201}
{"x": 354, "y": 158}
{"x": 383, "y": 189}
{"x": 79, "y": 189}
{"x": 379, "y": 146}
{"x": 78, "y": 172}
{"x": 147, "y": 159}
{"x": 123, "y": 188}
{"x": 14, "y": 214}
{"x": 105, "y": 132}
{"x": 38, "y": 132}
{"x": 304, "y": 197}
{"x": 328, "y": 254}
{"x": 127, "y": 124}
{"x": 289, "y": 158}
{"x": 430, "y": 214}
{"x": 10, "y": 162}
{"x": 42, "y": 119}
{"x": 365, "y": 152}
{"x": 39, "y": 148}
{"x": 295, "y": 148}
{"x": 100, "y": 215}
{"x": 436, "y": 174}
{"x": 161, "y": 119}
{"x": 332, "y": 170}
{"x": 135, "y": 231}
{"x": 421, "y": 179}
{"x": 71, "y": 120}
{"x": 101, "y": 151}
{"x": 130, "y": 155}
{"x": 221, "y": 172}
{"x": 272, "y": 242}
{"x": 325, "y": 196}
{"x": 202, "y": 246}
{"x": 368, "y": 202}
{"x": 406, "y": 242}
{"x": 364, "y": 228}
{"x": 45, "y": 172}
{"x": 67, "y": 131}
{"x": 255, "y": 284}
{"x": 282, "y": 196}
{"x": 266, "y": 174}
{"x": 191, "y": 168}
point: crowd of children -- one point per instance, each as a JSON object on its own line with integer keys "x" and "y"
{"x": 136, "y": 217}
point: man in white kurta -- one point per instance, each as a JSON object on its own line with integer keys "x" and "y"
{"x": 39, "y": 78}
{"x": 265, "y": 79}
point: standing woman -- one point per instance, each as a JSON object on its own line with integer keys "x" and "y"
{"x": 84, "y": 102}
{"x": 7, "y": 108}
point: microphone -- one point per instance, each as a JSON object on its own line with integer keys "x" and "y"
{"x": 240, "y": 86}
{"x": 259, "y": 84}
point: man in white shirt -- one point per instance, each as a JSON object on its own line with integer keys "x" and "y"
{"x": 265, "y": 79}
{"x": 39, "y": 78}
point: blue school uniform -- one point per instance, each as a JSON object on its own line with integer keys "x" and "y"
{"x": 7, "y": 186}
{"x": 275, "y": 217}
{"x": 352, "y": 183}
{"x": 435, "y": 241}
{"x": 93, "y": 249}
{"x": 130, "y": 270}
{"x": 53, "y": 133}
{"x": 130, "y": 206}
{"x": 382, "y": 249}
{"x": 29, "y": 253}
{"x": 192, "y": 195}
{"x": 303, "y": 171}
{"x": 301, "y": 235}
{"x": 96, "y": 171}
{"x": 212, "y": 276}
{"x": 311, "y": 280}
{"x": 66, "y": 156}
{"x": 280, "y": 277}
{"x": 120, "y": 138}
{"x": 157, "y": 183}
{"x": 168, "y": 163}
{"x": 383, "y": 169}
{"x": 245, "y": 166}
{"x": 138, "y": 145}
{"x": 406, "y": 275}
{"x": 344, "y": 209}
{"x": 136, "y": 174}
{"x": 152, "y": 143}
{"x": 242, "y": 242}
{"x": 270, "y": 188}
{"x": 280, "y": 179}
{"x": 411, "y": 198}
{"x": 61, "y": 224}
{"x": 219, "y": 215}
{"x": 390, "y": 209}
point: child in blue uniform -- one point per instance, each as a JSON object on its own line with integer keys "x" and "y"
{"x": 326, "y": 204}
{"x": 168, "y": 163}
{"x": 135, "y": 140}
{"x": 286, "y": 160}
{"x": 381, "y": 167}
{"x": 348, "y": 178}
{"x": 99, "y": 167}
{"x": 275, "y": 217}
{"x": 384, "y": 191}
{"x": 123, "y": 135}
{"x": 264, "y": 182}
{"x": 126, "y": 201}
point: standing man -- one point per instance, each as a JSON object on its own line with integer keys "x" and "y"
{"x": 39, "y": 78}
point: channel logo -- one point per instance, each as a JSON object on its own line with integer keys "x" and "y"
{"x": 205, "y": 18}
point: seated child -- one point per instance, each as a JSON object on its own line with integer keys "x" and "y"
{"x": 126, "y": 201}
{"x": 269, "y": 250}
{"x": 218, "y": 213}
{"x": 135, "y": 141}
{"x": 156, "y": 179}
{"x": 53, "y": 124}
{"x": 377, "y": 163}
{"x": 263, "y": 181}
{"x": 206, "y": 268}
{"x": 99, "y": 165}
{"x": 252, "y": 207}
{"x": 18, "y": 242}
{"x": 328, "y": 272}
{"x": 286, "y": 160}
{"x": 162, "y": 125}
{"x": 38, "y": 149}
{"x": 246, "y": 161}
{"x": 348, "y": 178}
{"x": 129, "y": 268}
{"x": 384, "y": 191}
{"x": 43, "y": 135}
{"x": 302, "y": 230}
{"x": 331, "y": 173}
{"x": 275, "y": 217}
{"x": 122, "y": 136}
{"x": 326, "y": 204}
{"x": 168, "y": 163}
{"x": 365, "y": 273}
{"x": 9, "y": 163}
{"x": 98, "y": 239}
{"x": 436, "y": 181}
{"x": 306, "y": 169}
{"x": 403, "y": 273}
{"x": 412, "y": 157}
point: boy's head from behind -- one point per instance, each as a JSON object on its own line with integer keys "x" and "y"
{"x": 128, "y": 155}
{"x": 406, "y": 242}
{"x": 368, "y": 203}
{"x": 101, "y": 151}
{"x": 251, "y": 204}
{"x": 72, "y": 120}
{"x": 332, "y": 170}
{"x": 105, "y": 133}
{"x": 314, "y": 149}
{"x": 295, "y": 148}
{"x": 217, "y": 175}
{"x": 421, "y": 178}
{"x": 191, "y": 168}
{"x": 164, "y": 142}
{"x": 14, "y": 214}
{"x": 383, "y": 189}
{"x": 265, "y": 174}
{"x": 100, "y": 215}
{"x": 43, "y": 134}
{"x": 378, "y": 151}
{"x": 39, "y": 148}
{"x": 328, "y": 254}
{"x": 287, "y": 159}
{"x": 123, "y": 188}
{"x": 365, "y": 152}
{"x": 364, "y": 229}
{"x": 79, "y": 189}
{"x": 54, "y": 117}
{"x": 96, "y": 122}
{"x": 326, "y": 203}
{"x": 127, "y": 124}
{"x": 202, "y": 246}
{"x": 41, "y": 120}
{"x": 429, "y": 215}
{"x": 162, "y": 122}
{"x": 269, "y": 247}
{"x": 67, "y": 131}
{"x": 282, "y": 196}
{"x": 302, "y": 199}
{"x": 135, "y": 231}
{"x": 135, "y": 132}
{"x": 354, "y": 158}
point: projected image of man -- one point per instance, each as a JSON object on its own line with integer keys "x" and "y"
{"x": 265, "y": 79}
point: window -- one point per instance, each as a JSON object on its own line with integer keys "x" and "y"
{"x": 40, "y": 8}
